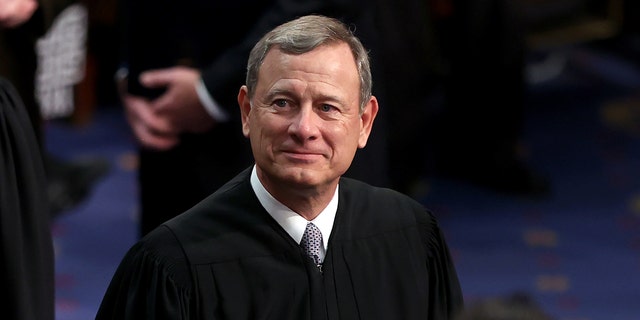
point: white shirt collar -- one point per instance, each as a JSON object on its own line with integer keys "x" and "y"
{"x": 291, "y": 222}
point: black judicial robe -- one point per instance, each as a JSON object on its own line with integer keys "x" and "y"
{"x": 227, "y": 258}
{"x": 26, "y": 246}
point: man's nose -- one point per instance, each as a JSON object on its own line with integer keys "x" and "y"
{"x": 305, "y": 124}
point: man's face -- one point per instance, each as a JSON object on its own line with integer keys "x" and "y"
{"x": 304, "y": 123}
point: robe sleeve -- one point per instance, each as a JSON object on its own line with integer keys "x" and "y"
{"x": 444, "y": 287}
{"x": 149, "y": 283}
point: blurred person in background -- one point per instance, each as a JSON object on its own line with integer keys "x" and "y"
{"x": 68, "y": 182}
{"x": 454, "y": 75}
{"x": 26, "y": 246}
{"x": 478, "y": 135}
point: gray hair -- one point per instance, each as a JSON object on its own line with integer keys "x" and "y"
{"x": 303, "y": 35}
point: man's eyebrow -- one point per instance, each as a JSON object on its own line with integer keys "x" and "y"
{"x": 277, "y": 92}
{"x": 325, "y": 98}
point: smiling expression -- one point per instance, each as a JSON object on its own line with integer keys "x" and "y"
{"x": 303, "y": 122}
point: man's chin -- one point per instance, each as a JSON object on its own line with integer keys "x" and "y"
{"x": 301, "y": 177}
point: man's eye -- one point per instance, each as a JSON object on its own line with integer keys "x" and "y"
{"x": 326, "y": 108}
{"x": 280, "y": 103}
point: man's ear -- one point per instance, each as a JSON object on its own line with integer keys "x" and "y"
{"x": 366, "y": 120}
{"x": 245, "y": 109}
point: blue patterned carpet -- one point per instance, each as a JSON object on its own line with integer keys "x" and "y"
{"x": 576, "y": 253}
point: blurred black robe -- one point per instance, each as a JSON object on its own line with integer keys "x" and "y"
{"x": 227, "y": 258}
{"x": 26, "y": 246}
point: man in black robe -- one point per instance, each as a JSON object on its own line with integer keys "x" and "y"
{"x": 306, "y": 108}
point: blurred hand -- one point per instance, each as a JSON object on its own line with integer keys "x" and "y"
{"x": 16, "y": 12}
{"x": 151, "y": 129}
{"x": 179, "y": 104}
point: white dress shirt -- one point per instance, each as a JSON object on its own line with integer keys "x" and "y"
{"x": 293, "y": 223}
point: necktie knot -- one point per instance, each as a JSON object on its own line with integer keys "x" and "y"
{"x": 312, "y": 243}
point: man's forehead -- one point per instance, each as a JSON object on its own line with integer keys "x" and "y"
{"x": 323, "y": 62}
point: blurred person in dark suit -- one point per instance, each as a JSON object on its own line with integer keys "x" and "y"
{"x": 412, "y": 70}
{"x": 455, "y": 76}
{"x": 182, "y": 64}
{"x": 68, "y": 182}
{"x": 483, "y": 115}
{"x": 26, "y": 245}
{"x": 289, "y": 237}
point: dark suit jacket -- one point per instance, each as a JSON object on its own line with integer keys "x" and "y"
{"x": 227, "y": 258}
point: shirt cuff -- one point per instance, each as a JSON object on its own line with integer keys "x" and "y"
{"x": 209, "y": 104}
